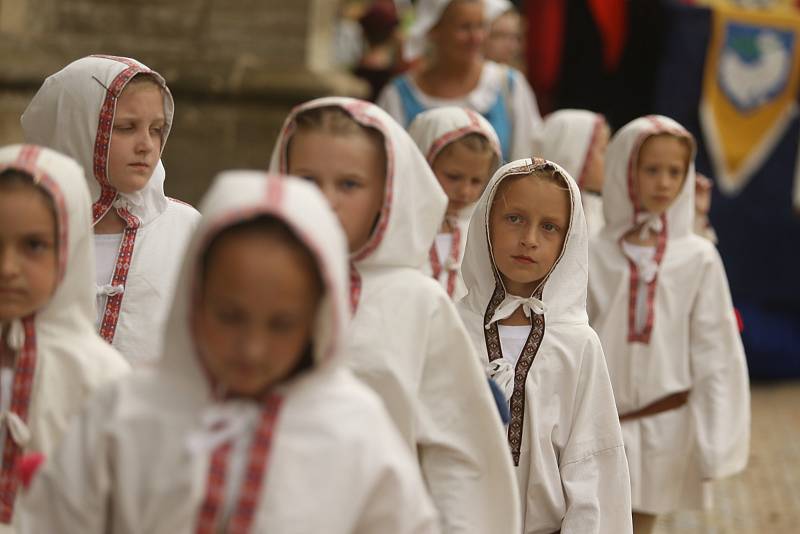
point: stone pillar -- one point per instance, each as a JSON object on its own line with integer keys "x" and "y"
{"x": 235, "y": 67}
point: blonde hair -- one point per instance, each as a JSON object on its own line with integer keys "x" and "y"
{"x": 477, "y": 143}
{"x": 144, "y": 78}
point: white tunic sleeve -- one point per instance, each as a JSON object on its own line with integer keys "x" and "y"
{"x": 593, "y": 466}
{"x": 526, "y": 117}
{"x": 71, "y": 491}
{"x": 720, "y": 397}
{"x": 389, "y": 100}
{"x": 462, "y": 446}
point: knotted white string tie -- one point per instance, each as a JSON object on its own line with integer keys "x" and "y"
{"x": 510, "y": 305}
{"x": 649, "y": 222}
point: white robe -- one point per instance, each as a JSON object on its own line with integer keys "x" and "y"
{"x": 138, "y": 460}
{"x": 564, "y": 432}
{"x": 65, "y": 115}
{"x": 407, "y": 342}
{"x": 493, "y": 83}
{"x": 692, "y": 342}
{"x": 432, "y": 131}
{"x": 567, "y": 138}
{"x": 71, "y": 361}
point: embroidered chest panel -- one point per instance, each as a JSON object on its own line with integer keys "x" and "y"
{"x": 495, "y": 351}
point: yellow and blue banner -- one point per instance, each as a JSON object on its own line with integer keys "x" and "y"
{"x": 750, "y": 89}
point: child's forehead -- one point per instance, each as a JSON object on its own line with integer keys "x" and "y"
{"x": 662, "y": 142}
{"x": 532, "y": 192}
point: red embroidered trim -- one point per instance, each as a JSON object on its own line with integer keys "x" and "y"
{"x": 355, "y": 288}
{"x": 644, "y": 335}
{"x": 661, "y": 240}
{"x": 495, "y": 351}
{"x": 474, "y": 126}
{"x": 111, "y": 313}
{"x": 24, "y": 372}
{"x": 451, "y": 262}
{"x": 242, "y": 518}
{"x": 215, "y": 490}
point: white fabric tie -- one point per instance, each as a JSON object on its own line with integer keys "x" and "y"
{"x": 20, "y": 432}
{"x": 16, "y": 335}
{"x": 510, "y": 305}
{"x": 650, "y": 222}
{"x": 502, "y": 372}
{"x": 110, "y": 290}
{"x": 120, "y": 202}
{"x": 222, "y": 423}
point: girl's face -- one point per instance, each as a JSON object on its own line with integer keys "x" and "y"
{"x": 136, "y": 138}
{"x": 463, "y": 174}
{"x": 460, "y": 33}
{"x": 528, "y": 224}
{"x": 660, "y": 172}
{"x": 504, "y": 41}
{"x": 350, "y": 170}
{"x": 28, "y": 251}
{"x": 258, "y": 304}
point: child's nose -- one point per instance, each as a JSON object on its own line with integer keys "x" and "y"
{"x": 9, "y": 264}
{"x": 530, "y": 237}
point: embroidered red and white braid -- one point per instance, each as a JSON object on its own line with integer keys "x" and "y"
{"x": 108, "y": 194}
{"x": 24, "y": 372}
{"x": 241, "y": 520}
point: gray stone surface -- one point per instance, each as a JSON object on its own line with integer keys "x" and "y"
{"x": 235, "y": 67}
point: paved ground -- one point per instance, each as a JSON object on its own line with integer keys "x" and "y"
{"x": 766, "y": 497}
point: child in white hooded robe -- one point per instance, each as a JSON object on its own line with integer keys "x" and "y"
{"x": 577, "y": 140}
{"x": 564, "y": 433}
{"x": 665, "y": 317}
{"x": 58, "y": 359}
{"x": 76, "y": 112}
{"x": 406, "y": 340}
{"x": 463, "y": 151}
{"x": 196, "y": 446}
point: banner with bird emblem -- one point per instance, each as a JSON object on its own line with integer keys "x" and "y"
{"x": 750, "y": 90}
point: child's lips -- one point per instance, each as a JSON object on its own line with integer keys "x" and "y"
{"x": 526, "y": 260}
{"x": 11, "y": 292}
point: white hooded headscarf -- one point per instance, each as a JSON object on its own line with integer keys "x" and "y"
{"x": 564, "y": 432}
{"x": 407, "y": 342}
{"x": 60, "y": 359}
{"x": 159, "y": 452}
{"x": 689, "y": 341}
{"x": 73, "y": 112}
{"x": 432, "y": 131}
{"x": 567, "y": 138}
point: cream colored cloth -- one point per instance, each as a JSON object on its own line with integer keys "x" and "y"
{"x": 65, "y": 115}
{"x": 567, "y": 139}
{"x": 71, "y": 360}
{"x": 137, "y": 459}
{"x": 433, "y": 131}
{"x": 694, "y": 343}
{"x": 408, "y": 344}
{"x": 572, "y": 473}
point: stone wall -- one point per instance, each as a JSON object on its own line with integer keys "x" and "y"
{"x": 235, "y": 68}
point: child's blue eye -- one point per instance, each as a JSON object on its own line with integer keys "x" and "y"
{"x": 513, "y": 219}
{"x": 550, "y": 227}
